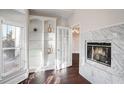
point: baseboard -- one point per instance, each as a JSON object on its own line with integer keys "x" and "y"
{"x": 46, "y": 68}
{"x": 41, "y": 69}
{"x": 16, "y": 79}
{"x": 49, "y": 68}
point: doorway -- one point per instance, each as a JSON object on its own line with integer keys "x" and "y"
{"x": 75, "y": 45}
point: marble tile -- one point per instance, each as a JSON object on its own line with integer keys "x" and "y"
{"x": 101, "y": 77}
{"x": 101, "y": 73}
{"x": 87, "y": 73}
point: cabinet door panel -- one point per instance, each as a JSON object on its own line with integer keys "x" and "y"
{"x": 59, "y": 48}
{"x": 63, "y": 47}
{"x": 49, "y": 44}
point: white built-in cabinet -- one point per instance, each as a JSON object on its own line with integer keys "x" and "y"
{"x": 64, "y": 49}
{"x": 35, "y": 43}
{"x": 49, "y": 45}
{"x": 13, "y": 54}
{"x": 42, "y": 43}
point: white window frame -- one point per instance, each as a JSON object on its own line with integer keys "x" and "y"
{"x": 2, "y": 49}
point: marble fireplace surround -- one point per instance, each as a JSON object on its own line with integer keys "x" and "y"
{"x": 98, "y": 73}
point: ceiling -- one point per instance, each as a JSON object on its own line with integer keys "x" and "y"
{"x": 65, "y": 13}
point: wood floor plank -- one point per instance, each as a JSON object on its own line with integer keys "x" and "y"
{"x": 68, "y": 75}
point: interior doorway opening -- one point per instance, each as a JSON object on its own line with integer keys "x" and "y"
{"x": 75, "y": 45}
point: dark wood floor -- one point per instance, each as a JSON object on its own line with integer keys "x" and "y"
{"x": 68, "y": 75}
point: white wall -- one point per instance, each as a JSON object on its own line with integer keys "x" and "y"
{"x": 92, "y": 20}
{"x": 75, "y": 43}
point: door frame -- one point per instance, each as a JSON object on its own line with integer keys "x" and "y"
{"x": 78, "y": 24}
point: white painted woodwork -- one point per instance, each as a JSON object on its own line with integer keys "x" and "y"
{"x": 12, "y": 17}
{"x": 64, "y": 51}
{"x": 40, "y": 41}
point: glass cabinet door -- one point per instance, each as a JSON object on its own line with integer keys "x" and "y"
{"x": 59, "y": 48}
{"x": 11, "y": 49}
{"x": 63, "y": 47}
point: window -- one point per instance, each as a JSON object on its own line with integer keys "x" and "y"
{"x": 11, "y": 48}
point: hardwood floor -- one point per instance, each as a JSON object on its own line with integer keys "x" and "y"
{"x": 68, "y": 75}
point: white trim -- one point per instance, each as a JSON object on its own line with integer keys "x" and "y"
{"x": 42, "y": 18}
{"x": 62, "y": 27}
{"x": 0, "y": 48}
{"x": 10, "y": 72}
{"x": 13, "y": 23}
{"x": 22, "y": 11}
{"x": 31, "y": 17}
{"x": 18, "y": 79}
{"x": 15, "y": 79}
{"x": 12, "y": 78}
{"x": 69, "y": 52}
{"x": 3, "y": 61}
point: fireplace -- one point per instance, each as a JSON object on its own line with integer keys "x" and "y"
{"x": 99, "y": 52}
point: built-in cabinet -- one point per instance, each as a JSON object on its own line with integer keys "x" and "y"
{"x": 42, "y": 43}
{"x": 64, "y": 49}
{"x": 49, "y": 45}
{"x": 35, "y": 43}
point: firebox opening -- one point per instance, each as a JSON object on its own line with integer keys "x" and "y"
{"x": 99, "y": 52}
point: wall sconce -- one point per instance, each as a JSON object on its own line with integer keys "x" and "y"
{"x": 50, "y": 50}
{"x": 50, "y": 28}
{"x": 76, "y": 29}
{"x": 35, "y": 29}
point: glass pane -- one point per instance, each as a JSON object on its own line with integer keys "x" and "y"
{"x": 11, "y": 59}
{"x": 17, "y": 40}
{"x": 89, "y": 52}
{"x": 4, "y": 28}
{"x": 11, "y": 36}
{"x": 102, "y": 54}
